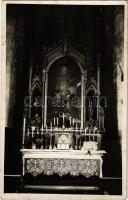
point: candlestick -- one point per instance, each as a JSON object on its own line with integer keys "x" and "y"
{"x": 57, "y": 120}
{"x": 46, "y": 128}
{"x": 42, "y": 126}
{"x": 28, "y": 131}
{"x": 51, "y": 125}
{"x": 38, "y": 132}
{"x": 63, "y": 119}
{"x": 73, "y": 121}
{"x": 85, "y": 131}
{"x": 80, "y": 130}
{"x": 24, "y": 126}
{"x": 54, "y": 121}
{"x": 42, "y": 129}
{"x": 70, "y": 119}
{"x": 76, "y": 127}
{"x": 33, "y": 128}
{"x": 94, "y": 131}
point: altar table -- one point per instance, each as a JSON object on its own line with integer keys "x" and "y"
{"x": 62, "y": 162}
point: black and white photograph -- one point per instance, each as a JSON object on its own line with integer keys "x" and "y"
{"x": 65, "y": 78}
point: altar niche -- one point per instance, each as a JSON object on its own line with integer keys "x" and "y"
{"x": 58, "y": 103}
{"x": 64, "y": 93}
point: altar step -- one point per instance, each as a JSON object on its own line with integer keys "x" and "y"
{"x": 60, "y": 181}
{"x": 107, "y": 185}
{"x": 62, "y": 185}
{"x": 62, "y": 189}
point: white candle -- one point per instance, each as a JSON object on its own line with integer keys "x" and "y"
{"x": 54, "y": 121}
{"x": 73, "y": 121}
{"x": 70, "y": 119}
{"x": 57, "y": 121}
{"x": 33, "y": 128}
{"x": 24, "y": 125}
{"x": 63, "y": 119}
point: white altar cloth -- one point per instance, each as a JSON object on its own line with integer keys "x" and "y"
{"x": 62, "y": 162}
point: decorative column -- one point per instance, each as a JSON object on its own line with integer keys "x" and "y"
{"x": 45, "y": 108}
{"x": 30, "y": 88}
{"x": 84, "y": 98}
{"x": 44, "y": 90}
{"x": 85, "y": 83}
{"x": 43, "y": 94}
{"x": 98, "y": 87}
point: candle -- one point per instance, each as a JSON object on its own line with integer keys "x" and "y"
{"x": 73, "y": 121}
{"x": 51, "y": 125}
{"x": 33, "y": 128}
{"x": 42, "y": 129}
{"x": 70, "y": 119}
{"x": 95, "y": 129}
{"x": 54, "y": 121}
{"x": 24, "y": 125}
{"x": 57, "y": 121}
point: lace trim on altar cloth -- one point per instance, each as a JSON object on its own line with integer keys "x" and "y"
{"x": 85, "y": 167}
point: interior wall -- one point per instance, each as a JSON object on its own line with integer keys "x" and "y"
{"x": 93, "y": 30}
{"x": 119, "y": 64}
{"x": 15, "y": 69}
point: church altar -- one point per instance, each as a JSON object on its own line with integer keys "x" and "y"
{"x": 63, "y": 120}
{"x": 62, "y": 162}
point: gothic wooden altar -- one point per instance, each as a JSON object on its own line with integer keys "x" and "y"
{"x": 63, "y": 116}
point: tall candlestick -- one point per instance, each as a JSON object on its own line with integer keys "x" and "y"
{"x": 63, "y": 119}
{"x": 76, "y": 128}
{"x": 51, "y": 125}
{"x": 46, "y": 128}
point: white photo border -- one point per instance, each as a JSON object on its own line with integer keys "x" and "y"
{"x": 22, "y": 196}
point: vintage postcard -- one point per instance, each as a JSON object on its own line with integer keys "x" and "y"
{"x": 63, "y": 100}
